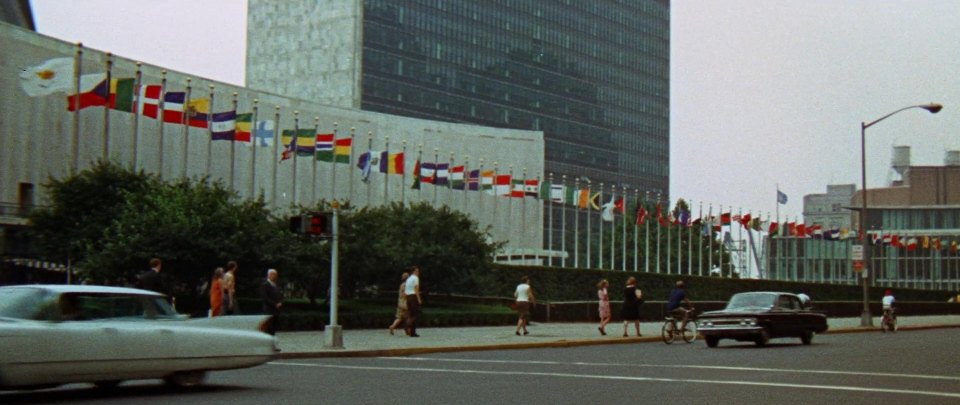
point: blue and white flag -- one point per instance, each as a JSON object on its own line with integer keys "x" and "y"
{"x": 781, "y": 197}
{"x": 366, "y": 162}
{"x": 223, "y": 126}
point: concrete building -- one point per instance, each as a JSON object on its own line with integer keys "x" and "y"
{"x": 829, "y": 210}
{"x": 40, "y": 139}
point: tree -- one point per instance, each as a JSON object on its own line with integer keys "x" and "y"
{"x": 379, "y": 243}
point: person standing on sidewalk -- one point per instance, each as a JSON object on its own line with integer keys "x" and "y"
{"x": 216, "y": 292}
{"x": 524, "y": 296}
{"x": 401, "y": 303}
{"x": 272, "y": 300}
{"x": 604, "y": 307}
{"x": 412, "y": 292}
{"x": 230, "y": 306}
{"x": 630, "y": 312}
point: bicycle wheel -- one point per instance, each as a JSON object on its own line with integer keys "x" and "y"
{"x": 668, "y": 332}
{"x": 689, "y": 332}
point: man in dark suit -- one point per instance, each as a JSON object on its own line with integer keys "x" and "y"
{"x": 150, "y": 279}
{"x": 272, "y": 300}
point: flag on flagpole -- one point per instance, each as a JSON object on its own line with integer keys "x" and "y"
{"x": 516, "y": 190}
{"x": 391, "y": 163}
{"x": 781, "y": 197}
{"x": 473, "y": 180}
{"x": 342, "y": 148}
{"x": 51, "y": 76}
{"x": 501, "y": 185}
{"x": 224, "y": 126}
{"x": 641, "y": 214}
{"x": 173, "y": 104}
{"x": 324, "y": 147}
{"x": 121, "y": 94}
{"x": 197, "y": 112}
{"x": 531, "y": 188}
{"x": 94, "y": 91}
{"x": 366, "y": 162}
{"x": 289, "y": 139}
{"x": 148, "y": 104}
{"x": 457, "y": 177}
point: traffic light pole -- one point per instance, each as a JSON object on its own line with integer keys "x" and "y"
{"x": 333, "y": 333}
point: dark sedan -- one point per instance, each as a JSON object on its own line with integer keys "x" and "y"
{"x": 760, "y": 316}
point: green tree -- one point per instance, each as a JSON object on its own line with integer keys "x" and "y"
{"x": 379, "y": 243}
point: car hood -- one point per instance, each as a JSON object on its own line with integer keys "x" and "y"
{"x": 736, "y": 311}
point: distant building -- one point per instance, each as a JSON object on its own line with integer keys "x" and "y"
{"x": 17, "y": 12}
{"x": 913, "y": 228}
{"x": 829, "y": 210}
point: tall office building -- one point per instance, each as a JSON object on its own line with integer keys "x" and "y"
{"x": 592, "y": 75}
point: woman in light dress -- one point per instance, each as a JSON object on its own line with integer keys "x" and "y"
{"x": 604, "y": 305}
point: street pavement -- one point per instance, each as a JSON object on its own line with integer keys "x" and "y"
{"x": 378, "y": 342}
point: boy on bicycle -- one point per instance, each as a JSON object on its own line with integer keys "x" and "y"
{"x": 888, "y": 302}
{"x": 678, "y": 305}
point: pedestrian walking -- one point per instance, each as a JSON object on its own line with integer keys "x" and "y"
{"x": 604, "y": 306}
{"x": 272, "y": 299}
{"x": 630, "y": 312}
{"x": 414, "y": 301}
{"x": 216, "y": 292}
{"x": 230, "y": 306}
{"x": 525, "y": 298}
{"x": 401, "y": 303}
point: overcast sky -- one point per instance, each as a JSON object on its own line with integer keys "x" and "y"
{"x": 763, "y": 92}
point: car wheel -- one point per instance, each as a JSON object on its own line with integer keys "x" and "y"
{"x": 186, "y": 378}
{"x": 806, "y": 337}
{"x": 712, "y": 341}
{"x": 105, "y": 385}
{"x": 763, "y": 338}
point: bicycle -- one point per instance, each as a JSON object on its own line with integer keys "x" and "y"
{"x": 671, "y": 330}
{"x": 888, "y": 321}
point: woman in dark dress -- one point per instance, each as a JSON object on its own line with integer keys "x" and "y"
{"x": 631, "y": 306}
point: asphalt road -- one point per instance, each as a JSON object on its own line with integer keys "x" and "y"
{"x": 915, "y": 367}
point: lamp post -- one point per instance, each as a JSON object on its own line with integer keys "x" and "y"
{"x": 865, "y": 318}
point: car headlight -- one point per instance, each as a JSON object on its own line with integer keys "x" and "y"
{"x": 748, "y": 322}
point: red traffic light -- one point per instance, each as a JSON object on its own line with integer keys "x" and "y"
{"x": 318, "y": 224}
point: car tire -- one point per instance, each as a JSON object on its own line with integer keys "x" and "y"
{"x": 186, "y": 378}
{"x": 763, "y": 338}
{"x": 712, "y": 341}
{"x": 807, "y": 337}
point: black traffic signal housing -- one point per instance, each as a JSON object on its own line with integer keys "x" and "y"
{"x": 314, "y": 224}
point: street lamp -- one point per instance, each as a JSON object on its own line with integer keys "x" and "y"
{"x": 865, "y": 318}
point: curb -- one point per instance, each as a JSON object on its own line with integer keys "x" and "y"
{"x": 411, "y": 351}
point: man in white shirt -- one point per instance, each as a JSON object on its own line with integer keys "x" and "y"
{"x": 412, "y": 291}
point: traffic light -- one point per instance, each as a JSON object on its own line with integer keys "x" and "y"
{"x": 319, "y": 224}
{"x": 296, "y": 224}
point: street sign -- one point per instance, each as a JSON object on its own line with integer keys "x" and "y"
{"x": 856, "y": 253}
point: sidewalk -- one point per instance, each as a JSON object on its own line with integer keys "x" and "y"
{"x": 377, "y": 342}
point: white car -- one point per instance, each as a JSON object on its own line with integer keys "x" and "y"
{"x": 58, "y": 334}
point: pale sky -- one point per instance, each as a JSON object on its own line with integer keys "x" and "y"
{"x": 763, "y": 92}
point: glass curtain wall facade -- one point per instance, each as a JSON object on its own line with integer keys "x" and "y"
{"x": 592, "y": 75}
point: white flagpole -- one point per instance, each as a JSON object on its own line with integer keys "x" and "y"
{"x": 658, "y": 230}
{"x": 106, "y": 108}
{"x": 77, "y": 67}
{"x": 333, "y": 165}
{"x": 418, "y": 176}
{"x": 576, "y": 224}
{"x": 403, "y": 176}
{"x": 160, "y": 107}
{"x": 623, "y": 232}
{"x": 549, "y": 217}
{"x": 710, "y": 238}
{"x": 186, "y": 118}
{"x": 689, "y": 228}
{"x": 296, "y": 143}
{"x": 700, "y": 238}
{"x": 369, "y": 168}
{"x": 254, "y": 147}
{"x": 386, "y": 176}
{"x": 313, "y": 182}
{"x": 436, "y": 168}
{"x": 233, "y": 142}
{"x": 137, "y": 82}
{"x": 277, "y": 140}
{"x": 350, "y": 177}
{"x": 563, "y": 220}
{"x": 600, "y": 243}
{"x": 636, "y": 197}
{"x": 646, "y": 231}
{"x": 466, "y": 175}
{"x": 185, "y": 132}
{"x": 669, "y": 231}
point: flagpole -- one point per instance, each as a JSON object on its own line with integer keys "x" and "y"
{"x": 419, "y": 181}
{"x": 576, "y": 224}
{"x": 350, "y": 180}
{"x": 636, "y": 236}
{"x": 106, "y": 108}
{"x": 313, "y": 163}
{"x": 403, "y": 176}
{"x": 688, "y": 226}
{"x": 295, "y": 141}
{"x": 386, "y": 175}
{"x": 563, "y": 221}
{"x": 136, "y": 115}
{"x": 209, "y": 113}
{"x": 277, "y": 138}
{"x": 669, "y": 230}
{"x": 646, "y": 231}
{"x": 590, "y": 228}
{"x": 523, "y": 208}
{"x": 185, "y": 145}
{"x": 700, "y": 238}
{"x": 75, "y": 146}
{"x": 233, "y": 140}
{"x": 623, "y": 232}
{"x": 160, "y": 107}
{"x": 369, "y": 168}
{"x": 333, "y": 166}
{"x": 494, "y": 189}
{"x": 550, "y": 218}
{"x": 450, "y": 194}
{"x": 710, "y": 238}
{"x": 659, "y": 225}
{"x": 436, "y": 167}
{"x": 466, "y": 175}
{"x": 254, "y": 146}
{"x": 510, "y": 202}
{"x": 480, "y": 188}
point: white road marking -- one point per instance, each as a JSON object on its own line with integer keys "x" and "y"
{"x": 728, "y": 368}
{"x": 628, "y": 378}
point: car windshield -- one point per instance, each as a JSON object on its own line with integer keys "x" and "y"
{"x": 751, "y": 300}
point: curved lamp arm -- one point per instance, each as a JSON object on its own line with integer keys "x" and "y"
{"x": 932, "y": 107}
